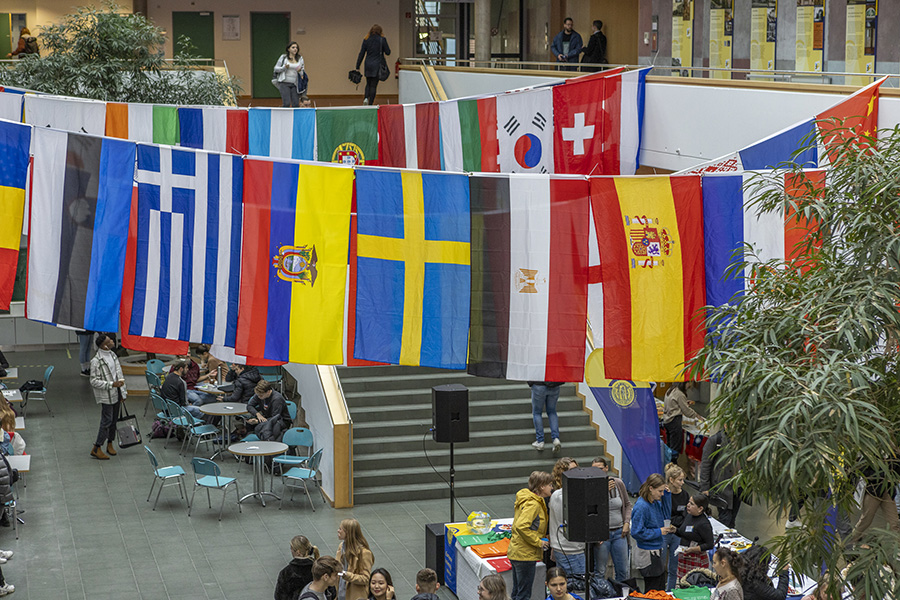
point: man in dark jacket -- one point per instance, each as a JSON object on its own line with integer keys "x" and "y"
{"x": 174, "y": 388}
{"x": 268, "y": 412}
{"x": 567, "y": 45}
{"x": 595, "y": 52}
{"x": 245, "y": 378}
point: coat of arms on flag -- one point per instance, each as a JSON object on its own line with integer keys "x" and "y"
{"x": 648, "y": 242}
{"x": 297, "y": 264}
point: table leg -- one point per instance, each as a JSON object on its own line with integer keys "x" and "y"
{"x": 226, "y": 427}
{"x": 259, "y": 483}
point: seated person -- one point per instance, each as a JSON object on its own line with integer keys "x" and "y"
{"x": 4, "y": 364}
{"x": 244, "y": 378}
{"x": 12, "y": 442}
{"x": 426, "y": 585}
{"x": 210, "y": 363}
{"x": 326, "y": 572}
{"x": 174, "y": 388}
{"x": 268, "y": 412}
{"x": 192, "y": 377}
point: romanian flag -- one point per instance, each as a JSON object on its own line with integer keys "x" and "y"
{"x": 650, "y": 237}
{"x": 412, "y": 275}
{"x": 15, "y": 141}
{"x": 294, "y": 261}
{"x": 148, "y": 123}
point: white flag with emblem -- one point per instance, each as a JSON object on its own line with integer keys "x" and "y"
{"x": 525, "y": 131}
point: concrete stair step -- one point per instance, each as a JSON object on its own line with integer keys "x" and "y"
{"x": 464, "y": 473}
{"x": 391, "y": 370}
{"x": 568, "y": 420}
{"x": 433, "y": 490}
{"x": 421, "y": 381}
{"x": 422, "y": 410}
{"x": 420, "y": 395}
{"x": 385, "y": 446}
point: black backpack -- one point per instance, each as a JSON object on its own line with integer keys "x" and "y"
{"x": 31, "y": 46}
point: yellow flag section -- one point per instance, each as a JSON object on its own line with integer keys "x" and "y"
{"x": 15, "y": 140}
{"x": 650, "y": 237}
{"x": 296, "y": 232}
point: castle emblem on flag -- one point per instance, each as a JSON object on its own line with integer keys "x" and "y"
{"x": 649, "y": 243}
{"x": 348, "y": 153}
{"x": 297, "y": 264}
{"x": 526, "y": 281}
{"x": 622, "y": 393}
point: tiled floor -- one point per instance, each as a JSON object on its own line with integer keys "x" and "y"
{"x": 91, "y": 534}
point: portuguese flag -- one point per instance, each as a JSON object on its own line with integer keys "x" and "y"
{"x": 347, "y": 135}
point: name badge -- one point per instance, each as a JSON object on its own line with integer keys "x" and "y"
{"x": 689, "y": 529}
{"x": 681, "y": 508}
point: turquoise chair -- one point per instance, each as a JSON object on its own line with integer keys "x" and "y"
{"x": 302, "y": 475}
{"x": 167, "y": 476}
{"x": 273, "y": 375}
{"x": 176, "y": 418}
{"x": 160, "y": 408}
{"x": 208, "y": 475}
{"x": 40, "y": 394}
{"x": 153, "y": 384}
{"x": 195, "y": 428}
{"x": 156, "y": 367}
{"x": 292, "y": 410}
{"x": 297, "y": 436}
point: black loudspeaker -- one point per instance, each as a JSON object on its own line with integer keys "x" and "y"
{"x": 435, "y": 534}
{"x": 450, "y": 413}
{"x": 585, "y": 492}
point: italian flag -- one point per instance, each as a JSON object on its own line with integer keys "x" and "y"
{"x": 148, "y": 123}
{"x": 469, "y": 135}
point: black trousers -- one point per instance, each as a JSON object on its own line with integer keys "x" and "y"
{"x": 371, "y": 86}
{"x": 675, "y": 436}
{"x": 109, "y": 415}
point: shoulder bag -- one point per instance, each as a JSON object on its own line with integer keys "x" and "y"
{"x": 383, "y": 71}
{"x": 275, "y": 73}
{"x": 127, "y": 430}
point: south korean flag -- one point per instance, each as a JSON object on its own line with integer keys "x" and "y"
{"x": 525, "y": 131}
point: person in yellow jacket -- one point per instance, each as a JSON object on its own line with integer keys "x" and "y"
{"x": 529, "y": 532}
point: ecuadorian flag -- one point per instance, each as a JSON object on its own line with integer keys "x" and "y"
{"x": 15, "y": 140}
{"x": 650, "y": 237}
{"x": 294, "y": 261}
{"x": 412, "y": 269}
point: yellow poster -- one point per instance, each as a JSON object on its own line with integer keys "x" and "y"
{"x": 810, "y": 35}
{"x": 862, "y": 21}
{"x": 721, "y": 35}
{"x": 682, "y": 37}
{"x": 763, "y": 21}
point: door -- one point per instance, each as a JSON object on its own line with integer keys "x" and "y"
{"x": 269, "y": 35}
{"x": 199, "y": 27}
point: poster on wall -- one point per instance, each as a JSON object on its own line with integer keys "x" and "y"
{"x": 682, "y": 37}
{"x": 721, "y": 35}
{"x": 763, "y": 21}
{"x": 862, "y": 24}
{"x": 810, "y": 35}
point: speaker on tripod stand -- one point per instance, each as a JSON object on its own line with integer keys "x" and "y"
{"x": 450, "y": 424}
{"x": 585, "y": 492}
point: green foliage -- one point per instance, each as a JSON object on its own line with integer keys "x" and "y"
{"x": 105, "y": 54}
{"x": 808, "y": 364}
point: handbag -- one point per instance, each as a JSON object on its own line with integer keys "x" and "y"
{"x": 275, "y": 73}
{"x": 127, "y": 430}
{"x": 648, "y": 562}
{"x": 383, "y": 71}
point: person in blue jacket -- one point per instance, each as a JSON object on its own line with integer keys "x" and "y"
{"x": 567, "y": 45}
{"x": 648, "y": 528}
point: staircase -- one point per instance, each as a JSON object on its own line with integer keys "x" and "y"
{"x": 391, "y": 412}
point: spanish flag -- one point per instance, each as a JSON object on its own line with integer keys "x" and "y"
{"x": 294, "y": 261}
{"x": 15, "y": 140}
{"x": 650, "y": 237}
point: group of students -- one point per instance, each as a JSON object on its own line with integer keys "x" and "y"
{"x": 670, "y": 527}
{"x": 11, "y": 443}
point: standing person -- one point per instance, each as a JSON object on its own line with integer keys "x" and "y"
{"x": 648, "y": 529}
{"x": 544, "y": 396}
{"x": 374, "y": 48}
{"x": 595, "y": 52}
{"x": 357, "y": 560}
{"x": 529, "y": 530}
{"x": 568, "y": 555}
{"x": 619, "y": 527}
{"x": 680, "y": 499}
{"x": 426, "y": 585}
{"x": 727, "y": 565}
{"x": 696, "y": 536}
{"x": 676, "y": 406}
{"x": 290, "y": 68}
{"x": 567, "y": 45}
{"x": 755, "y": 581}
{"x": 109, "y": 391}
{"x": 381, "y": 586}
{"x": 492, "y": 587}
{"x": 27, "y": 45}
{"x": 298, "y": 573}
{"x": 558, "y": 586}
{"x": 713, "y": 471}
{"x": 85, "y": 339}
{"x": 877, "y": 497}
{"x": 326, "y": 572}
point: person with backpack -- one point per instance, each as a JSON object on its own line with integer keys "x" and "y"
{"x": 27, "y": 45}
{"x": 326, "y": 572}
{"x": 298, "y": 573}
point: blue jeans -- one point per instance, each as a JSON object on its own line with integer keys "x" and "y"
{"x": 670, "y": 544}
{"x": 523, "y": 578}
{"x": 571, "y": 563}
{"x": 617, "y": 546}
{"x": 198, "y": 398}
{"x": 543, "y": 397}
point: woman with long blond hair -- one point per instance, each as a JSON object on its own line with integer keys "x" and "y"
{"x": 357, "y": 560}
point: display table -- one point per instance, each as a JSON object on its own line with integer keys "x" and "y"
{"x": 258, "y": 450}
{"x": 463, "y": 569}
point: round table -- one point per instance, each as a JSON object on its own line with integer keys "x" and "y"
{"x": 226, "y": 410}
{"x": 258, "y": 450}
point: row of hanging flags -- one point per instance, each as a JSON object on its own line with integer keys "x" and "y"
{"x": 588, "y": 125}
{"x": 487, "y": 272}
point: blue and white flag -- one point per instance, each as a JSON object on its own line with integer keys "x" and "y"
{"x": 283, "y": 133}
{"x": 187, "y": 274}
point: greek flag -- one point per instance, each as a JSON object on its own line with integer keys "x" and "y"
{"x": 187, "y": 272}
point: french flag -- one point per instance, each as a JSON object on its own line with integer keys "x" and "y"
{"x": 731, "y": 223}
{"x": 409, "y": 136}
{"x": 214, "y": 128}
{"x": 283, "y": 133}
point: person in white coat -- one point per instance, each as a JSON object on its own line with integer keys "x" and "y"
{"x": 109, "y": 391}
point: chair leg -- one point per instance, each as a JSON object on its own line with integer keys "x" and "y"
{"x": 222, "y": 506}
{"x": 191, "y": 503}
{"x": 237, "y": 493}
{"x": 15, "y": 515}
{"x": 151, "y": 488}
{"x": 146, "y": 405}
{"x": 306, "y": 489}
{"x": 208, "y": 499}
{"x": 161, "y": 485}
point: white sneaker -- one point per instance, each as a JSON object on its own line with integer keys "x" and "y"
{"x": 6, "y": 554}
{"x": 556, "y": 444}
{"x": 537, "y": 446}
{"x": 794, "y": 523}
{"x": 365, "y": 101}
{"x": 7, "y": 589}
